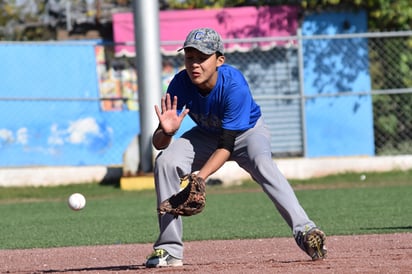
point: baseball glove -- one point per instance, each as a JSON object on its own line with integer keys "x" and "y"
{"x": 189, "y": 201}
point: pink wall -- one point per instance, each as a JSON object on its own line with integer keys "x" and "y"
{"x": 242, "y": 22}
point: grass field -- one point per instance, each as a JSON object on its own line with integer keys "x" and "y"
{"x": 341, "y": 204}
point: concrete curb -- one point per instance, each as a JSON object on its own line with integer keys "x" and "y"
{"x": 230, "y": 173}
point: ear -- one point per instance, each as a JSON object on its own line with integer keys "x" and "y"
{"x": 220, "y": 60}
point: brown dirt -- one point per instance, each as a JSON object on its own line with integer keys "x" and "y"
{"x": 384, "y": 253}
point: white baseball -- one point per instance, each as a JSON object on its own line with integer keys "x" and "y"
{"x": 76, "y": 201}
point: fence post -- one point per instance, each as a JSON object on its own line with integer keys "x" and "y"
{"x": 302, "y": 91}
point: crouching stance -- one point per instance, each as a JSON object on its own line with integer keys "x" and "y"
{"x": 229, "y": 126}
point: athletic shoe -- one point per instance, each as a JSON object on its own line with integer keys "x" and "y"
{"x": 161, "y": 258}
{"x": 312, "y": 241}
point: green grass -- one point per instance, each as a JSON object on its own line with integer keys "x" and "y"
{"x": 341, "y": 204}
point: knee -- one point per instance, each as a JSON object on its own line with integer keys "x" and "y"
{"x": 164, "y": 161}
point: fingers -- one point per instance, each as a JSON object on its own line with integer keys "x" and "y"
{"x": 158, "y": 112}
{"x": 168, "y": 102}
{"x": 174, "y": 102}
{"x": 163, "y": 104}
{"x": 171, "y": 104}
{"x": 183, "y": 113}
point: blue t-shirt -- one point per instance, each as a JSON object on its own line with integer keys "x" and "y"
{"x": 229, "y": 105}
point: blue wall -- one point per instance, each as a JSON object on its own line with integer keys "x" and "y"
{"x": 337, "y": 126}
{"x": 57, "y": 132}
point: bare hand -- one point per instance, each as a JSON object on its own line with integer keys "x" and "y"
{"x": 168, "y": 118}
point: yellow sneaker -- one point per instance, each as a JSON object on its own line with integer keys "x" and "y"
{"x": 161, "y": 258}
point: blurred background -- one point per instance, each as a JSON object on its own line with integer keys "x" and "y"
{"x": 333, "y": 78}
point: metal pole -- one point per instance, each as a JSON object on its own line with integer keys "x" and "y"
{"x": 148, "y": 63}
{"x": 302, "y": 92}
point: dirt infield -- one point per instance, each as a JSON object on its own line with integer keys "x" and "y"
{"x": 384, "y": 253}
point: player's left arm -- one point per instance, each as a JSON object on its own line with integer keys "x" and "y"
{"x": 216, "y": 161}
{"x": 221, "y": 154}
{"x": 236, "y": 112}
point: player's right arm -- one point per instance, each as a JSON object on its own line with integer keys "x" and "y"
{"x": 169, "y": 121}
{"x": 160, "y": 140}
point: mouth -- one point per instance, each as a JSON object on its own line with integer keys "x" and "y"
{"x": 195, "y": 74}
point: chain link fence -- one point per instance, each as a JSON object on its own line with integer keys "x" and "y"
{"x": 277, "y": 75}
{"x": 391, "y": 70}
{"x": 286, "y": 80}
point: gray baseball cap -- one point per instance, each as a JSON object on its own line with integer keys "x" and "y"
{"x": 206, "y": 40}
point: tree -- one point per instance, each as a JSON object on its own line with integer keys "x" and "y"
{"x": 22, "y": 21}
{"x": 383, "y": 14}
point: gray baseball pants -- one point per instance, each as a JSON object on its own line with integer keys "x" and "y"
{"x": 252, "y": 152}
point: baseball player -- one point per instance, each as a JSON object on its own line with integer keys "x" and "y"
{"x": 229, "y": 126}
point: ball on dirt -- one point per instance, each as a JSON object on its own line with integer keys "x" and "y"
{"x": 76, "y": 201}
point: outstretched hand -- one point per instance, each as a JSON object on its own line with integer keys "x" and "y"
{"x": 168, "y": 118}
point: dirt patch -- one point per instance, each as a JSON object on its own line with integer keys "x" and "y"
{"x": 384, "y": 253}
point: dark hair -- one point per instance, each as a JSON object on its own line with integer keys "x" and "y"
{"x": 218, "y": 54}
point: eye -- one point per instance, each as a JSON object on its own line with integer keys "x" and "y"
{"x": 199, "y": 58}
{"x": 188, "y": 58}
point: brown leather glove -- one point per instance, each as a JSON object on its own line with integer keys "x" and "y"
{"x": 189, "y": 201}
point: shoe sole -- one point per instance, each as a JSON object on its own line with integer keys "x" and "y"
{"x": 176, "y": 264}
{"x": 164, "y": 263}
{"x": 316, "y": 241}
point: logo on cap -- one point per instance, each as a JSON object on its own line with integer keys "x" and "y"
{"x": 199, "y": 35}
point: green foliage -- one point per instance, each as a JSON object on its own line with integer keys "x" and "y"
{"x": 390, "y": 15}
{"x": 340, "y": 204}
{"x": 200, "y": 4}
{"x": 382, "y": 14}
{"x": 16, "y": 24}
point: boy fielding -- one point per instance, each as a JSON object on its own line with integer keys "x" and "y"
{"x": 229, "y": 126}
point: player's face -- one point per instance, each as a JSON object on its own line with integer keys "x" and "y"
{"x": 202, "y": 68}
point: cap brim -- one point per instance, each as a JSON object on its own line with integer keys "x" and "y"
{"x": 197, "y": 48}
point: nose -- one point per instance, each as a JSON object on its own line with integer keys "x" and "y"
{"x": 194, "y": 64}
